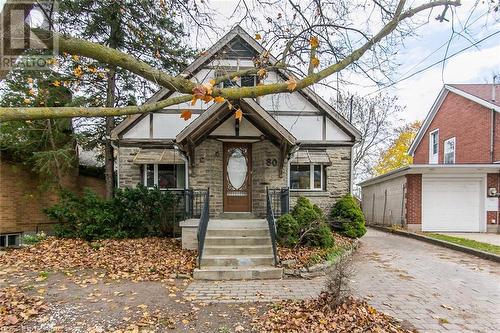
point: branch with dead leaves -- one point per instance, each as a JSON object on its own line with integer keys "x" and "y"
{"x": 114, "y": 57}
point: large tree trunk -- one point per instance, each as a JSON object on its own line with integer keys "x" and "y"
{"x": 110, "y": 124}
{"x": 110, "y": 102}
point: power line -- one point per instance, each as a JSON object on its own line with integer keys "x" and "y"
{"x": 435, "y": 63}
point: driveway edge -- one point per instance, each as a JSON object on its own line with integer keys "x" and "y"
{"x": 477, "y": 253}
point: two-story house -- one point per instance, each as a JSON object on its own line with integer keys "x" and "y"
{"x": 454, "y": 181}
{"x": 294, "y": 144}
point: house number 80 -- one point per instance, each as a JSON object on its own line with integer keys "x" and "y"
{"x": 273, "y": 162}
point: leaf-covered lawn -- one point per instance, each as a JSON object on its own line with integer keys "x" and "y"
{"x": 495, "y": 249}
{"x": 318, "y": 316}
{"x": 143, "y": 259}
{"x": 16, "y": 307}
{"x": 68, "y": 285}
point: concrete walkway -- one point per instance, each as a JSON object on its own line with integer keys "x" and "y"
{"x": 435, "y": 289}
{"x": 493, "y": 239}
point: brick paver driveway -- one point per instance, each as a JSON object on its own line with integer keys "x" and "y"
{"x": 434, "y": 288}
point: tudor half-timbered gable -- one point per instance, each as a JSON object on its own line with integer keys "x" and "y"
{"x": 294, "y": 140}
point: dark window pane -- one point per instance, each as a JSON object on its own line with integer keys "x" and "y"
{"x": 3, "y": 240}
{"x": 150, "y": 175}
{"x": 166, "y": 176}
{"x": 12, "y": 240}
{"x": 248, "y": 81}
{"x": 317, "y": 176}
{"x": 435, "y": 142}
{"x": 300, "y": 177}
{"x": 229, "y": 84}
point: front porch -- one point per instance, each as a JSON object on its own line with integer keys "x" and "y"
{"x": 241, "y": 247}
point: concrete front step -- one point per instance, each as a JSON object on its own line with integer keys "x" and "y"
{"x": 236, "y": 216}
{"x": 262, "y": 232}
{"x": 238, "y": 273}
{"x": 237, "y": 249}
{"x": 236, "y": 260}
{"x": 237, "y": 224}
{"x": 236, "y": 240}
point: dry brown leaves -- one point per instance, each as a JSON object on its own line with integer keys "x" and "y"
{"x": 316, "y": 316}
{"x": 303, "y": 254}
{"x": 16, "y": 307}
{"x": 143, "y": 259}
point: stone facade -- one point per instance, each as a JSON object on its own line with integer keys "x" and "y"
{"x": 208, "y": 172}
{"x": 129, "y": 173}
{"x": 265, "y": 157}
{"x": 338, "y": 180}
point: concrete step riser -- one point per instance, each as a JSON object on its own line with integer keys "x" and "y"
{"x": 251, "y": 274}
{"x": 237, "y": 241}
{"x": 237, "y": 250}
{"x": 238, "y": 233}
{"x": 217, "y": 226}
{"x": 235, "y": 262}
{"x": 237, "y": 216}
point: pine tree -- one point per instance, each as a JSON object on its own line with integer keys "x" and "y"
{"x": 143, "y": 28}
{"x": 45, "y": 146}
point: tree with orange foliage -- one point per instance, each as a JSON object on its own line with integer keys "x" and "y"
{"x": 396, "y": 155}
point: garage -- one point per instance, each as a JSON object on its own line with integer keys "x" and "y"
{"x": 452, "y": 204}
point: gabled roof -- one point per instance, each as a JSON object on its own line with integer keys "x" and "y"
{"x": 236, "y": 32}
{"x": 479, "y": 93}
{"x": 219, "y": 112}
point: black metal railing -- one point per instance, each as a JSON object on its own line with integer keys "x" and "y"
{"x": 195, "y": 200}
{"x": 280, "y": 200}
{"x": 203, "y": 225}
{"x": 190, "y": 202}
{"x": 271, "y": 222}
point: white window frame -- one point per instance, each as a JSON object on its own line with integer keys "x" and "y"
{"x": 433, "y": 158}
{"x": 311, "y": 178}
{"x": 7, "y": 239}
{"x": 454, "y": 150}
{"x": 155, "y": 176}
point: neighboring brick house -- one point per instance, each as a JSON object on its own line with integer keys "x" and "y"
{"x": 292, "y": 140}
{"x": 23, "y": 197}
{"x": 454, "y": 181}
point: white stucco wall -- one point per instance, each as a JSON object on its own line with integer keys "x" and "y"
{"x": 302, "y": 126}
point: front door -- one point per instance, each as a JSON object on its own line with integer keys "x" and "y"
{"x": 237, "y": 177}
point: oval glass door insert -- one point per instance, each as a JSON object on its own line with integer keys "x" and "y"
{"x": 237, "y": 168}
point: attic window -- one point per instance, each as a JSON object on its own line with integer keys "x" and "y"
{"x": 248, "y": 81}
{"x": 244, "y": 81}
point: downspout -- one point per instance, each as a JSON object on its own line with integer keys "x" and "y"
{"x": 492, "y": 136}
{"x": 493, "y": 121}
{"x": 186, "y": 164}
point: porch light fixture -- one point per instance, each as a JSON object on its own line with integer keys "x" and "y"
{"x": 492, "y": 192}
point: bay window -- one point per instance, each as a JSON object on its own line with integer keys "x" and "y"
{"x": 306, "y": 177}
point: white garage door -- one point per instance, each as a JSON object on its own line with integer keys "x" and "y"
{"x": 451, "y": 204}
